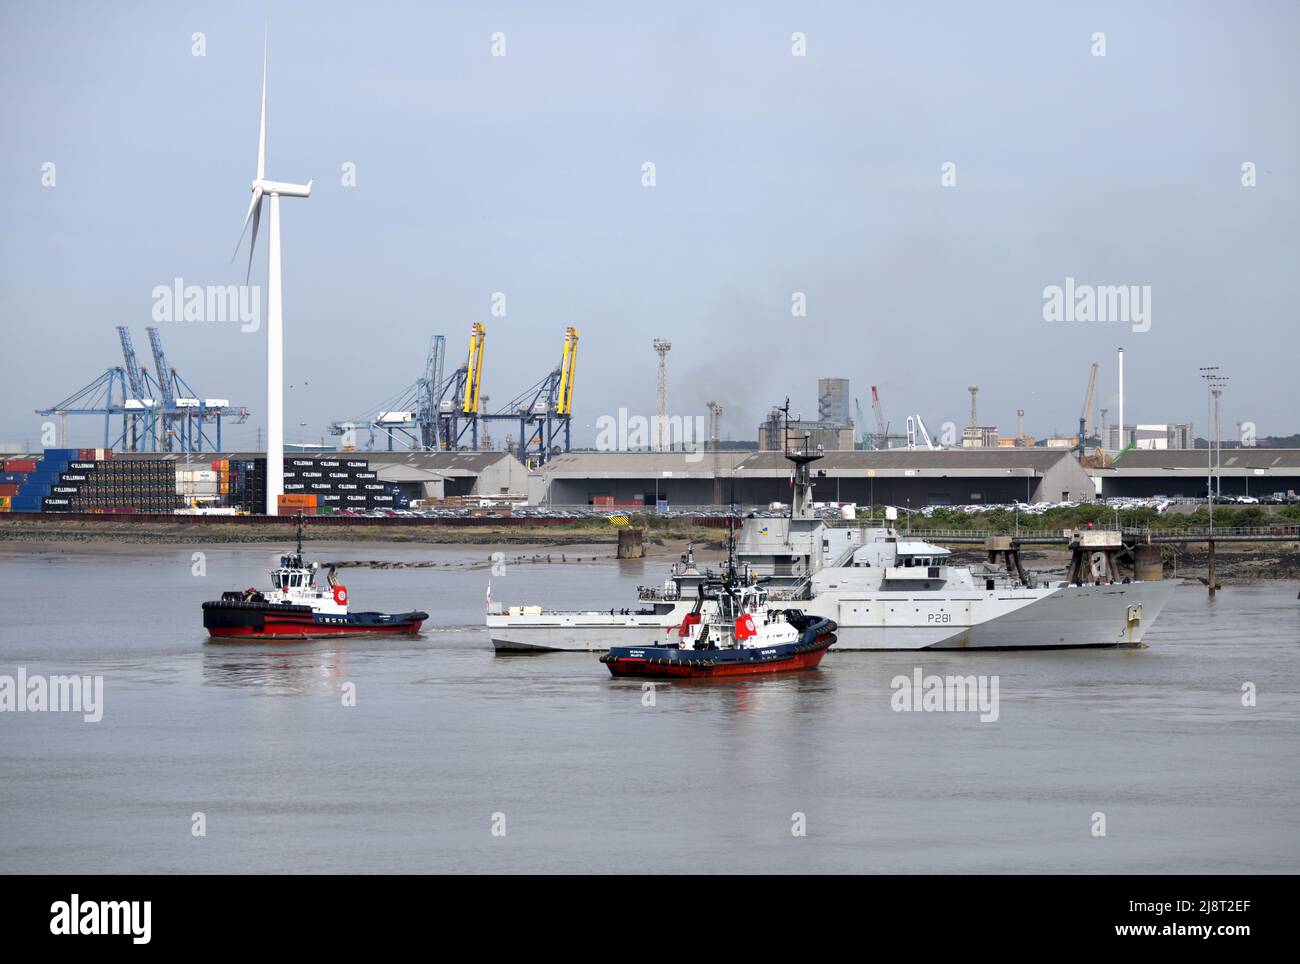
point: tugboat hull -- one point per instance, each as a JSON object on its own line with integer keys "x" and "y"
{"x": 253, "y": 620}
{"x": 650, "y": 662}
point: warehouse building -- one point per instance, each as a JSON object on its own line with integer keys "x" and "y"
{"x": 895, "y": 476}
{"x": 1144, "y": 473}
{"x": 436, "y": 475}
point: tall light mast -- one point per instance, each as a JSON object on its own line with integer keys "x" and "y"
{"x": 662, "y": 346}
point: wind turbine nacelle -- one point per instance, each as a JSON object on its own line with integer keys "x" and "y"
{"x": 284, "y": 188}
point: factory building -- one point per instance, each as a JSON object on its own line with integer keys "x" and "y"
{"x": 1161, "y": 436}
{"x": 979, "y": 437}
{"x": 894, "y": 476}
{"x": 827, "y": 435}
{"x": 442, "y": 474}
{"x": 833, "y": 400}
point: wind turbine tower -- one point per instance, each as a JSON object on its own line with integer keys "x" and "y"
{"x": 263, "y": 188}
{"x": 662, "y": 346}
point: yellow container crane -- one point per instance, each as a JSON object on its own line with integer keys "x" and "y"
{"x": 568, "y": 365}
{"x": 474, "y": 368}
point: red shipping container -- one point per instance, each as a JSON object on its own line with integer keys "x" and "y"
{"x": 9, "y": 488}
{"x": 86, "y": 455}
{"x": 20, "y": 465}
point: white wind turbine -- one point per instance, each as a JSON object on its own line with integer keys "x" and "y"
{"x": 274, "y": 319}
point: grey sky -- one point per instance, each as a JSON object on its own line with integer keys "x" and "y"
{"x": 776, "y": 174}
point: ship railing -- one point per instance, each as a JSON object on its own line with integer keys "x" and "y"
{"x": 657, "y": 594}
{"x": 803, "y": 588}
{"x": 1173, "y": 533}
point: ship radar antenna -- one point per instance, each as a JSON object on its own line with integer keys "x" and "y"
{"x": 801, "y": 457}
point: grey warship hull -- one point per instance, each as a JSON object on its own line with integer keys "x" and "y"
{"x": 1055, "y": 617}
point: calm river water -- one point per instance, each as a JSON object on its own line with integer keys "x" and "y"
{"x": 447, "y": 742}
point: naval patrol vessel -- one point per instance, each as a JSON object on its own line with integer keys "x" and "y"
{"x": 884, "y": 590}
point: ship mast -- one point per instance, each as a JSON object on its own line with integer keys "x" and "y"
{"x": 802, "y": 454}
{"x": 731, "y": 544}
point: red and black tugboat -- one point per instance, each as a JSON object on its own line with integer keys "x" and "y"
{"x": 296, "y": 608}
{"x": 730, "y": 632}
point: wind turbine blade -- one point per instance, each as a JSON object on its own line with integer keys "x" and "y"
{"x": 261, "y": 134}
{"x": 257, "y": 196}
{"x": 252, "y": 243}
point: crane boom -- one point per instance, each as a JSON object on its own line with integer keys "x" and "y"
{"x": 474, "y": 369}
{"x": 924, "y": 434}
{"x": 433, "y": 364}
{"x": 1086, "y": 418}
{"x": 134, "y": 378}
{"x": 162, "y": 370}
{"x": 881, "y": 428}
{"x": 568, "y": 364}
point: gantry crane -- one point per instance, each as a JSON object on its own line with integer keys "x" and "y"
{"x": 466, "y": 383}
{"x": 443, "y": 414}
{"x": 140, "y": 428}
{"x": 545, "y": 410}
{"x": 155, "y": 415}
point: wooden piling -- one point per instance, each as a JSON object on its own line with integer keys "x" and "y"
{"x": 630, "y": 545}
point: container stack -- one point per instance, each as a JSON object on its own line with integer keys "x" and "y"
{"x": 90, "y": 480}
{"x": 36, "y": 493}
{"x": 339, "y": 483}
{"x": 245, "y": 484}
{"x": 297, "y": 503}
{"x": 112, "y": 485}
{"x": 222, "y": 468}
{"x": 13, "y": 473}
{"x": 198, "y": 488}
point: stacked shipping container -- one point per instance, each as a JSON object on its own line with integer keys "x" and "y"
{"x": 342, "y": 482}
{"x": 245, "y": 484}
{"x": 113, "y": 485}
{"x": 89, "y": 480}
